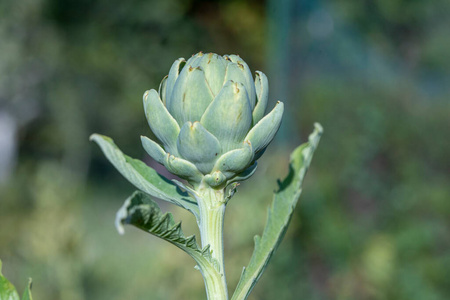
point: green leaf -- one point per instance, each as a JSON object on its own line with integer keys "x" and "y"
{"x": 27, "y": 293}
{"x": 143, "y": 177}
{"x": 8, "y": 291}
{"x": 142, "y": 212}
{"x": 279, "y": 215}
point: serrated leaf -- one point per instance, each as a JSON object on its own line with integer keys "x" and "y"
{"x": 143, "y": 177}
{"x": 8, "y": 291}
{"x": 279, "y": 215}
{"x": 142, "y": 212}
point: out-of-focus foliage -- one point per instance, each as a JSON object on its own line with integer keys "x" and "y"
{"x": 373, "y": 220}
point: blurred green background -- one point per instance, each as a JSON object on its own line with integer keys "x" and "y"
{"x": 374, "y": 218}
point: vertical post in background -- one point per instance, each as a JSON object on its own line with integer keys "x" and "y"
{"x": 278, "y": 50}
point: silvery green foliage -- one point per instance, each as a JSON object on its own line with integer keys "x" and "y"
{"x": 140, "y": 211}
{"x": 280, "y": 213}
{"x": 209, "y": 117}
{"x": 143, "y": 177}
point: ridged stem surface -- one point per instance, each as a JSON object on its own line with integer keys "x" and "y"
{"x": 212, "y": 212}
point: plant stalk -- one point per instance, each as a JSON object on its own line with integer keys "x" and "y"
{"x": 212, "y": 213}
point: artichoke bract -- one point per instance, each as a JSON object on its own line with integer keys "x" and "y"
{"x": 208, "y": 115}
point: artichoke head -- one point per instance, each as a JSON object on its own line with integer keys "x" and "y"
{"x": 208, "y": 115}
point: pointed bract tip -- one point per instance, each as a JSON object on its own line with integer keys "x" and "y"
{"x": 95, "y": 137}
{"x": 121, "y": 215}
{"x": 318, "y": 127}
{"x": 145, "y": 96}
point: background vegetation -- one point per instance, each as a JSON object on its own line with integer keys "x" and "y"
{"x": 373, "y": 221}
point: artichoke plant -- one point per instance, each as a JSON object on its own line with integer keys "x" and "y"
{"x": 209, "y": 117}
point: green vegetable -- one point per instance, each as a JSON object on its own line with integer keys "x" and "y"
{"x": 208, "y": 116}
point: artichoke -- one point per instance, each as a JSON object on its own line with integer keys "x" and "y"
{"x": 209, "y": 118}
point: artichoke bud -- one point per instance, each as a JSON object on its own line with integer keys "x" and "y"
{"x": 208, "y": 116}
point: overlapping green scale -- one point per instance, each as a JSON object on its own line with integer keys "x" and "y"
{"x": 161, "y": 122}
{"x": 174, "y": 72}
{"x": 198, "y": 146}
{"x": 191, "y": 96}
{"x": 262, "y": 96}
{"x": 220, "y": 109}
{"x": 247, "y": 74}
{"x": 214, "y": 67}
{"x": 235, "y": 161}
{"x": 162, "y": 89}
{"x": 153, "y": 149}
{"x": 264, "y": 131}
{"x": 182, "y": 168}
{"x": 229, "y": 116}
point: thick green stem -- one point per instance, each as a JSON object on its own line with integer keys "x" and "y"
{"x": 212, "y": 212}
{"x": 214, "y": 284}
